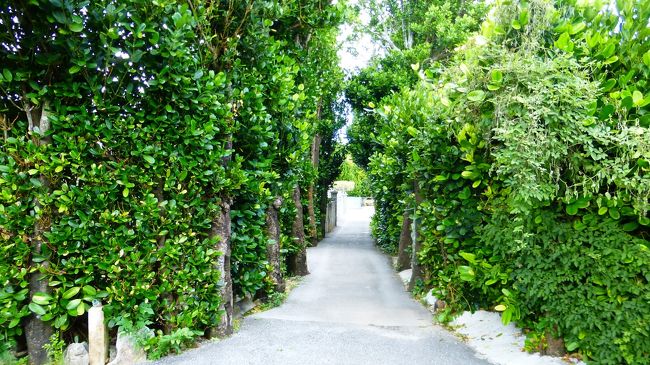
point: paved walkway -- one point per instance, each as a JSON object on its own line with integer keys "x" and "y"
{"x": 351, "y": 309}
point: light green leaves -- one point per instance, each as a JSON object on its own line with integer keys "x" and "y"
{"x": 71, "y": 292}
{"x": 37, "y": 309}
{"x": 41, "y": 298}
{"x": 564, "y": 42}
{"x": 476, "y": 95}
{"x": 76, "y": 27}
{"x": 466, "y": 273}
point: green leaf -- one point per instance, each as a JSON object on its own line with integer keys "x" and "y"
{"x": 515, "y": 24}
{"x": 73, "y": 304}
{"x": 646, "y": 58}
{"x": 76, "y": 27}
{"x": 466, "y": 193}
{"x": 89, "y": 291}
{"x": 125, "y": 192}
{"x": 61, "y": 321}
{"x": 470, "y": 257}
{"x": 500, "y": 308}
{"x": 7, "y": 74}
{"x": 412, "y": 131}
{"x": 630, "y": 226}
{"x": 572, "y": 209}
{"x": 608, "y": 51}
{"x": 506, "y": 316}
{"x": 611, "y": 60}
{"x": 637, "y": 97}
{"x": 149, "y": 159}
{"x": 608, "y": 85}
{"x": 577, "y": 27}
{"x": 582, "y": 203}
{"x": 571, "y": 346}
{"x": 476, "y": 95}
{"x": 71, "y": 292}
{"x": 74, "y": 69}
{"x": 466, "y": 273}
{"x": 523, "y": 17}
{"x": 602, "y": 210}
{"x": 614, "y": 213}
{"x": 37, "y": 309}
{"x": 564, "y": 42}
{"x": 497, "y": 76}
{"x": 14, "y": 322}
{"x": 41, "y": 298}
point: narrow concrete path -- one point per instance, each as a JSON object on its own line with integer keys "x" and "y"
{"x": 351, "y": 309}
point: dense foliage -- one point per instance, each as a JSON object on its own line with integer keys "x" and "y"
{"x": 128, "y": 127}
{"x": 351, "y": 172}
{"x": 529, "y": 152}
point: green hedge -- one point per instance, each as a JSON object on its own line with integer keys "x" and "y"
{"x": 530, "y": 149}
{"x": 158, "y": 112}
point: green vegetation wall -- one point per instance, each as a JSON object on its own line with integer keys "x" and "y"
{"x": 529, "y": 150}
{"x": 129, "y": 131}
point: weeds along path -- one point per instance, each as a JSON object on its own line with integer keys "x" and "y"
{"x": 351, "y": 309}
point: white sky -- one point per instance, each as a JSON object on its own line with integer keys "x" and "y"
{"x": 356, "y": 52}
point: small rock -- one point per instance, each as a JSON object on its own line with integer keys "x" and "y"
{"x": 406, "y": 276}
{"x": 76, "y": 354}
{"x": 430, "y": 299}
{"x": 439, "y": 305}
{"x": 128, "y": 351}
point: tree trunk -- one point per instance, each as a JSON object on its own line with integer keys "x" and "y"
{"x": 221, "y": 228}
{"x": 416, "y": 274}
{"x": 313, "y": 230}
{"x": 38, "y": 332}
{"x": 297, "y": 262}
{"x": 323, "y": 202}
{"x": 273, "y": 246}
{"x": 405, "y": 241}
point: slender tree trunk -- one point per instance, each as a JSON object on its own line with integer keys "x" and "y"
{"x": 221, "y": 228}
{"x": 273, "y": 246}
{"x": 416, "y": 274}
{"x": 323, "y": 202}
{"x": 313, "y": 230}
{"x": 405, "y": 241}
{"x": 297, "y": 262}
{"x": 38, "y": 332}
